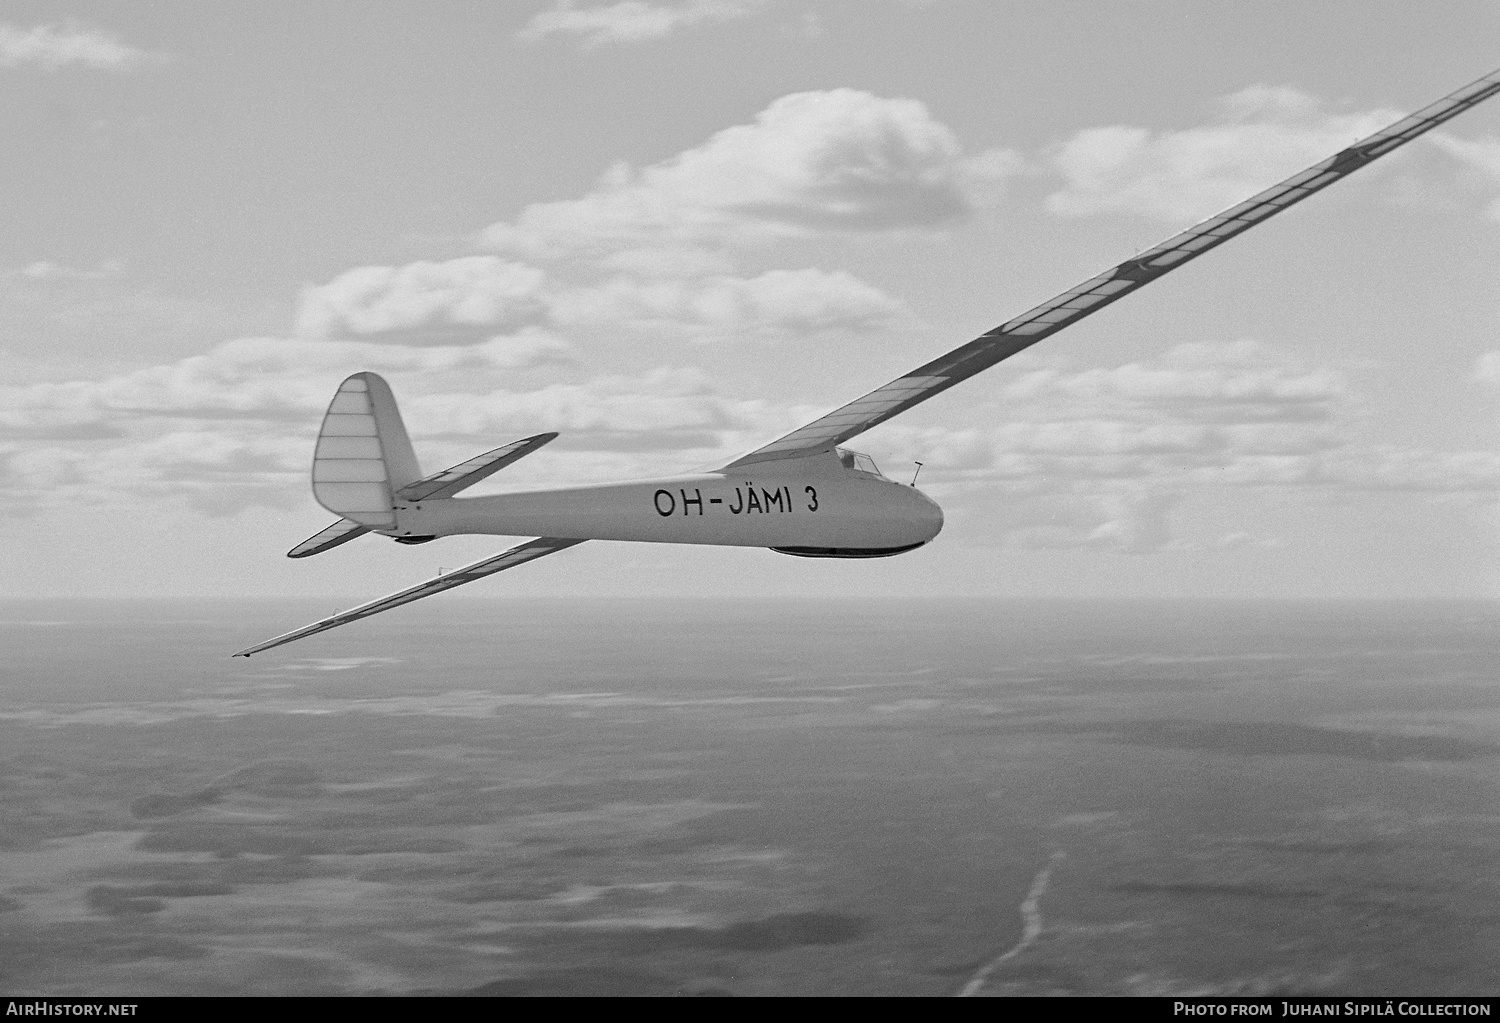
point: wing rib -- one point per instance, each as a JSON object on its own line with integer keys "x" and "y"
{"x": 1097, "y": 292}
{"x": 529, "y": 551}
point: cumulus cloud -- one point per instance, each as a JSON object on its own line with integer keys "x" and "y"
{"x": 1096, "y": 457}
{"x": 52, "y": 47}
{"x": 216, "y": 472}
{"x": 1481, "y": 156}
{"x": 659, "y": 247}
{"x": 1133, "y": 521}
{"x": 635, "y": 21}
{"x": 1244, "y": 382}
{"x": 445, "y": 304}
{"x": 1386, "y": 467}
{"x": 630, "y": 21}
{"x": 1068, "y": 457}
{"x": 662, "y": 406}
{"x": 838, "y": 160}
{"x": 267, "y": 379}
{"x": 46, "y": 270}
{"x": 236, "y": 425}
{"x": 1261, "y": 135}
{"x": 468, "y": 292}
{"x": 1100, "y": 457}
{"x": 777, "y": 301}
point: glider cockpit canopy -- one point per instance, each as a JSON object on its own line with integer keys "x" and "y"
{"x": 858, "y": 461}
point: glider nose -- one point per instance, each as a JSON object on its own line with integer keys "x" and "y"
{"x": 929, "y": 515}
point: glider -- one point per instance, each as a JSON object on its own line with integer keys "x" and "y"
{"x": 801, "y": 494}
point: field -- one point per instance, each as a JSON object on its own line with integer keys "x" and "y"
{"x": 752, "y": 798}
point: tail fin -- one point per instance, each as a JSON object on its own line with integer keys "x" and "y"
{"x": 363, "y": 455}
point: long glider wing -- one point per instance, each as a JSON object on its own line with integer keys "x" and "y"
{"x": 529, "y": 551}
{"x": 1097, "y": 292}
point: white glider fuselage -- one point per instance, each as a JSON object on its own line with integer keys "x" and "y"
{"x": 805, "y": 504}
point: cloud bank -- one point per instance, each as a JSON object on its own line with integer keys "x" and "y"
{"x": 492, "y": 345}
{"x": 661, "y": 247}
{"x": 1482, "y": 157}
{"x": 631, "y": 21}
{"x": 812, "y": 162}
{"x": 54, "y": 47}
{"x": 1100, "y": 457}
{"x": 472, "y": 291}
{"x": 1259, "y": 136}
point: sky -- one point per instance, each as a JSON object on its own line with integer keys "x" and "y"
{"x": 673, "y": 231}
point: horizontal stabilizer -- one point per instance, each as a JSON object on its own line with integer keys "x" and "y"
{"x": 341, "y": 531}
{"x": 528, "y": 551}
{"x": 466, "y": 474}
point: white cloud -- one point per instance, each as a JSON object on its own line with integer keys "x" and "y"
{"x": 59, "y": 313}
{"x": 630, "y": 21}
{"x": 1242, "y": 382}
{"x": 46, "y": 270}
{"x": 1095, "y": 457}
{"x": 51, "y": 47}
{"x": 840, "y": 160}
{"x": 667, "y": 403}
{"x": 1136, "y": 523}
{"x": 215, "y": 471}
{"x": 1487, "y": 368}
{"x": 1101, "y": 456}
{"x": 255, "y": 379}
{"x": 667, "y": 261}
{"x": 1481, "y": 156}
{"x": 1262, "y": 134}
{"x": 775, "y": 302}
{"x": 236, "y": 425}
{"x": 1386, "y": 467}
{"x": 658, "y": 247}
{"x": 444, "y": 304}
{"x": 468, "y": 292}
{"x": 635, "y": 21}
{"x": 652, "y": 249}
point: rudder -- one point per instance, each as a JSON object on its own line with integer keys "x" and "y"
{"x": 363, "y": 455}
